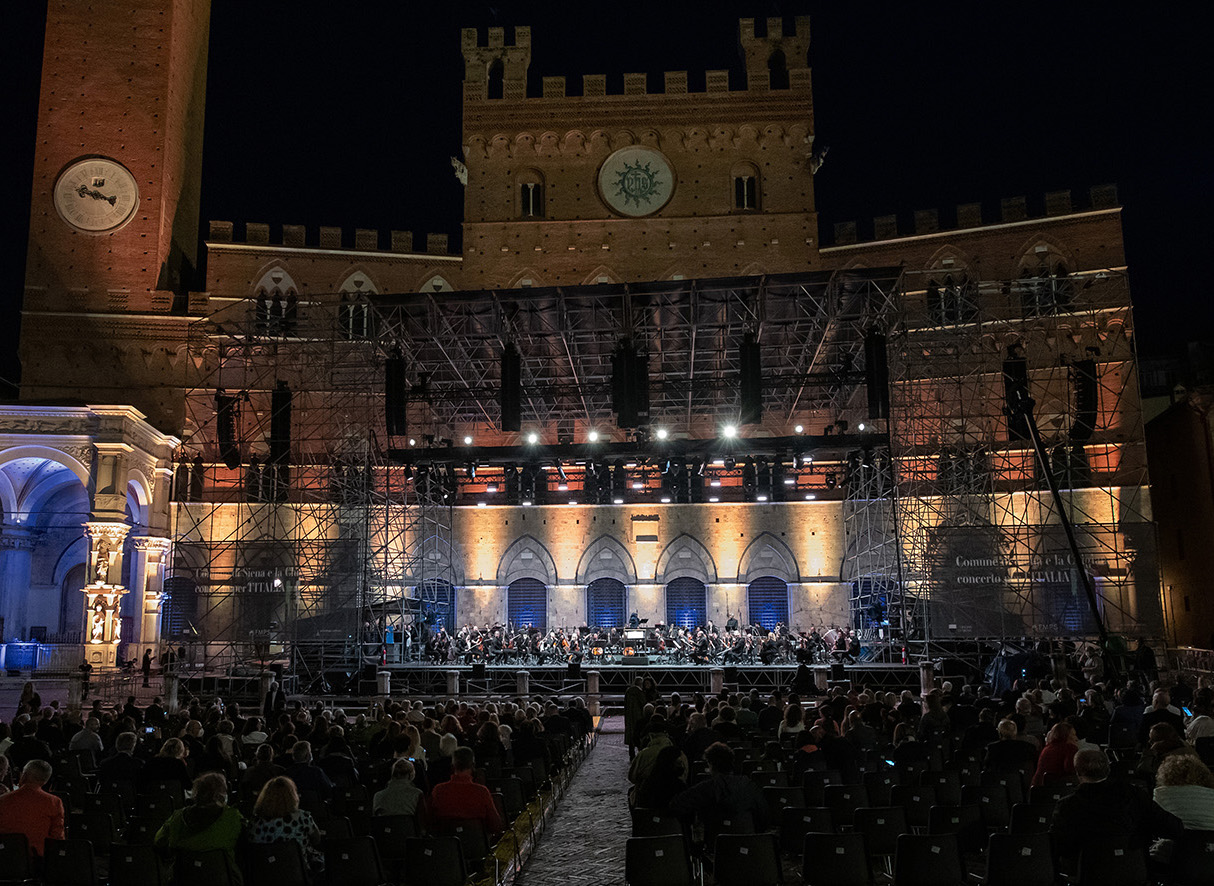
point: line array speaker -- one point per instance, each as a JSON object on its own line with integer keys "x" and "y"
{"x": 1015, "y": 393}
{"x": 629, "y": 385}
{"x": 876, "y": 374}
{"x": 750, "y": 359}
{"x": 512, "y": 389}
{"x": 1087, "y": 399}
{"x": 227, "y": 418}
{"x": 396, "y": 396}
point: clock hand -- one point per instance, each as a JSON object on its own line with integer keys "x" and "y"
{"x": 83, "y": 192}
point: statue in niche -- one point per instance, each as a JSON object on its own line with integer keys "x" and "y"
{"x": 101, "y": 559}
{"x": 97, "y": 629}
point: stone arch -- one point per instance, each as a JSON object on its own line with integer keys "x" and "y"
{"x": 138, "y": 496}
{"x": 74, "y": 554}
{"x": 777, "y": 69}
{"x": 275, "y": 300}
{"x": 358, "y": 282}
{"x": 435, "y": 282}
{"x": 526, "y": 558}
{"x": 605, "y": 557}
{"x": 754, "y": 269}
{"x": 685, "y": 557}
{"x": 746, "y": 186}
{"x": 1042, "y": 250}
{"x": 961, "y": 261}
{"x": 768, "y": 555}
{"x": 56, "y": 455}
{"x": 597, "y": 275}
{"x": 527, "y": 278}
{"x": 440, "y": 562}
{"x": 529, "y": 193}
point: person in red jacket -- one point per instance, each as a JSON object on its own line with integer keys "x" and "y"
{"x": 1057, "y": 760}
{"x": 462, "y": 798}
{"x": 32, "y": 811}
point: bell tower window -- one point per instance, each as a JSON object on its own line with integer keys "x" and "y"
{"x": 530, "y": 186}
{"x": 745, "y": 187}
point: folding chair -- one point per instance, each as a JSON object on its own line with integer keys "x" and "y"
{"x": 353, "y": 862}
{"x": 947, "y": 784}
{"x": 439, "y": 859}
{"x": 880, "y": 785}
{"x": 656, "y": 861}
{"x": 472, "y": 838}
{"x": 1029, "y": 819}
{"x": 782, "y": 798}
{"x": 390, "y": 833}
{"x": 335, "y": 829}
{"x": 881, "y": 827}
{"x": 1193, "y": 859}
{"x": 747, "y": 860}
{"x": 653, "y": 823}
{"x": 1013, "y": 781}
{"x": 282, "y": 864}
{"x": 770, "y": 779}
{"x": 843, "y": 800}
{"x": 1110, "y": 865}
{"x": 1050, "y": 793}
{"x": 68, "y": 863}
{"x": 210, "y": 868}
{"x": 835, "y": 860}
{"x": 965, "y": 822}
{"x": 917, "y": 801}
{"x": 991, "y": 800}
{"x": 1019, "y": 860}
{"x": 138, "y": 865}
{"x": 15, "y": 858}
{"x": 795, "y": 823}
{"x": 928, "y": 860}
{"x": 96, "y": 827}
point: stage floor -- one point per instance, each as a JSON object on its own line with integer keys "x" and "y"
{"x": 614, "y": 678}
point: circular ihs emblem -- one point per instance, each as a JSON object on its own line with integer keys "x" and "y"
{"x": 636, "y": 181}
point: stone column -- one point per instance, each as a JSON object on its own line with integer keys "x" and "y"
{"x": 592, "y": 692}
{"x": 16, "y": 553}
{"x": 104, "y": 591}
{"x": 522, "y": 684}
{"x": 927, "y": 677}
{"x": 147, "y": 584}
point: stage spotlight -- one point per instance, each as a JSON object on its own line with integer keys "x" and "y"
{"x": 491, "y": 488}
{"x": 762, "y": 498}
{"x": 663, "y": 433}
{"x": 729, "y": 463}
{"x": 533, "y": 438}
{"x": 729, "y": 432}
{"x": 412, "y": 442}
{"x": 278, "y": 582}
{"x": 637, "y": 484}
{"x": 481, "y": 504}
{"x": 665, "y": 499}
{"x": 809, "y": 496}
{"x": 860, "y": 426}
{"x": 562, "y": 486}
{"x": 593, "y": 436}
{"x": 618, "y": 501}
{"x": 799, "y": 429}
{"x": 713, "y": 499}
{"x": 526, "y": 504}
{"x": 467, "y": 441}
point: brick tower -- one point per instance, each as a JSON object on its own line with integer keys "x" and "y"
{"x": 114, "y": 218}
{"x": 570, "y": 189}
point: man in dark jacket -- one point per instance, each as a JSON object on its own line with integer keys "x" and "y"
{"x": 722, "y": 796}
{"x": 1107, "y": 813}
{"x": 306, "y": 775}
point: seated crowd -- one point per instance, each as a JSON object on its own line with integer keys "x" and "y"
{"x": 212, "y": 779}
{"x": 1123, "y": 766}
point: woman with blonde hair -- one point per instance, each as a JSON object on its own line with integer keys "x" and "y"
{"x": 208, "y": 823}
{"x": 280, "y": 820}
{"x": 1185, "y": 788}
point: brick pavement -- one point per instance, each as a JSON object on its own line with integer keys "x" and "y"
{"x": 584, "y": 841}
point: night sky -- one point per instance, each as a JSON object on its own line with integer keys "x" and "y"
{"x": 346, "y": 114}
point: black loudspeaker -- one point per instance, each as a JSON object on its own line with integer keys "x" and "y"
{"x": 478, "y": 670}
{"x": 396, "y": 396}
{"x": 838, "y": 673}
{"x": 750, "y": 360}
{"x": 1015, "y": 396}
{"x": 629, "y": 385}
{"x": 227, "y": 418}
{"x": 731, "y": 674}
{"x": 280, "y": 424}
{"x": 638, "y": 661}
{"x": 1087, "y": 399}
{"x": 575, "y": 670}
{"x": 512, "y": 389}
{"x": 876, "y": 374}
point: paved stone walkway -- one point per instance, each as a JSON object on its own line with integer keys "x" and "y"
{"x": 584, "y": 842}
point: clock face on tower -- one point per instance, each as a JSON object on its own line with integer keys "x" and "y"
{"x": 636, "y": 181}
{"x": 96, "y": 195}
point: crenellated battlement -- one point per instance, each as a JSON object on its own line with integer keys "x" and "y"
{"x": 973, "y": 215}
{"x": 775, "y": 63}
{"x": 330, "y": 238}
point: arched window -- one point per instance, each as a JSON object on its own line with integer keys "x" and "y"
{"x": 745, "y": 187}
{"x": 275, "y": 305}
{"x": 952, "y": 300}
{"x": 686, "y": 602}
{"x": 777, "y": 70}
{"x": 767, "y": 601}
{"x": 530, "y": 189}
{"x": 437, "y": 603}
{"x": 497, "y": 79}
{"x": 527, "y": 603}
{"x": 605, "y": 603}
{"x": 353, "y": 312}
{"x": 1046, "y": 287}
{"x": 437, "y": 283}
